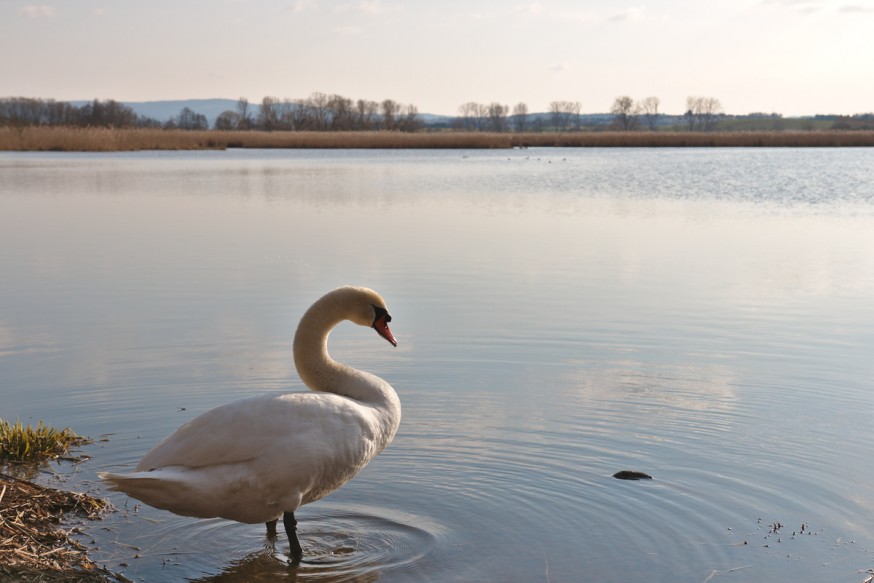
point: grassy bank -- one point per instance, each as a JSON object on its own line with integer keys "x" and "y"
{"x": 112, "y": 140}
{"x": 34, "y": 545}
{"x": 25, "y": 443}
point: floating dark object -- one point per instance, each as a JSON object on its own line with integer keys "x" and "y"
{"x": 631, "y": 475}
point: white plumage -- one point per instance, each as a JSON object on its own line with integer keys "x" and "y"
{"x": 260, "y": 458}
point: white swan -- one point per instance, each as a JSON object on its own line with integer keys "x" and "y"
{"x": 260, "y": 458}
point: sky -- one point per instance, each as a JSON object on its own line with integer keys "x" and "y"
{"x": 793, "y": 57}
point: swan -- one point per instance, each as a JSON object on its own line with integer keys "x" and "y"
{"x": 261, "y": 458}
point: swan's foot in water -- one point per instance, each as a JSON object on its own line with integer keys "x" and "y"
{"x": 271, "y": 529}
{"x": 290, "y": 523}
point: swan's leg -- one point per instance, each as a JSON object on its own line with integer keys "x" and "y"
{"x": 271, "y": 528}
{"x": 290, "y": 523}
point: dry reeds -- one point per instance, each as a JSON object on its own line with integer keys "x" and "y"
{"x": 124, "y": 139}
{"x": 43, "y": 138}
{"x": 747, "y": 139}
{"x": 69, "y": 139}
{"x": 32, "y": 547}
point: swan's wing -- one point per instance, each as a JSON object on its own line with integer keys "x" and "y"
{"x": 297, "y": 424}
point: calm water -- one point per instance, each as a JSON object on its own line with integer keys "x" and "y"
{"x": 704, "y": 316}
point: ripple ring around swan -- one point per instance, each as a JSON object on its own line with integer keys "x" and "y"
{"x": 354, "y": 540}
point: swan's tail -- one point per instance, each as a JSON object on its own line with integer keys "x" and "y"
{"x": 198, "y": 492}
{"x": 166, "y": 488}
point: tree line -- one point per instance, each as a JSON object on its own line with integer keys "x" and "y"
{"x": 26, "y": 111}
{"x": 318, "y": 112}
{"x": 496, "y": 117}
{"x": 702, "y": 113}
{"x": 321, "y": 112}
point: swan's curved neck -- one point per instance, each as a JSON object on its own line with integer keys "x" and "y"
{"x": 320, "y": 372}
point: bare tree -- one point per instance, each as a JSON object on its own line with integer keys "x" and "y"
{"x": 189, "y": 120}
{"x": 573, "y": 111}
{"x": 245, "y": 121}
{"x": 300, "y": 117}
{"x": 623, "y": 109}
{"x": 702, "y": 113}
{"x": 497, "y": 115}
{"x": 711, "y": 109}
{"x": 318, "y": 108}
{"x": 555, "y": 111}
{"x": 690, "y": 113}
{"x": 469, "y": 115}
{"x": 649, "y": 109}
{"x": 408, "y": 120}
{"x": 565, "y": 113}
{"x": 341, "y": 113}
{"x": 285, "y": 113}
{"x": 520, "y": 117}
{"x": 366, "y": 114}
{"x": 108, "y": 113}
{"x": 227, "y": 120}
{"x": 268, "y": 117}
{"x": 389, "y": 109}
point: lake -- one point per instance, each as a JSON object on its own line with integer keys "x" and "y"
{"x": 701, "y": 315}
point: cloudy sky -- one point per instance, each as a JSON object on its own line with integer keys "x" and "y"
{"x": 794, "y": 57}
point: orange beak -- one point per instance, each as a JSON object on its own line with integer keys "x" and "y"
{"x": 381, "y": 327}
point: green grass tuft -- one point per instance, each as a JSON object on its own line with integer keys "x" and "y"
{"x": 31, "y": 444}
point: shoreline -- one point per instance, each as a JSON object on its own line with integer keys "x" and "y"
{"x": 65, "y": 139}
{"x": 34, "y": 544}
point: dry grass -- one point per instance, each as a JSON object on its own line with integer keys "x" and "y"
{"x": 811, "y": 139}
{"x": 114, "y": 140}
{"x": 64, "y": 139}
{"x": 371, "y": 140}
{"x": 32, "y": 545}
{"x": 110, "y": 140}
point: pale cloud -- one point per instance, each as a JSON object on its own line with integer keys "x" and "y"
{"x": 301, "y": 5}
{"x": 535, "y": 8}
{"x": 98, "y": 12}
{"x": 803, "y": 6}
{"x": 481, "y": 16}
{"x": 37, "y": 11}
{"x": 347, "y": 30}
{"x": 372, "y": 7}
{"x": 560, "y": 67}
{"x": 578, "y": 16}
{"x": 631, "y": 14}
{"x": 856, "y": 8}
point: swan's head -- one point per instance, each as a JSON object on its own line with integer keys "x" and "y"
{"x": 368, "y": 309}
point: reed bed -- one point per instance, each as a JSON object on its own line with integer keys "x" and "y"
{"x": 33, "y": 547}
{"x": 747, "y": 139}
{"x": 62, "y": 139}
{"x": 43, "y": 138}
{"x": 67, "y": 139}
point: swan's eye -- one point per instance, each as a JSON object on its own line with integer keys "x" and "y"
{"x": 381, "y": 313}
